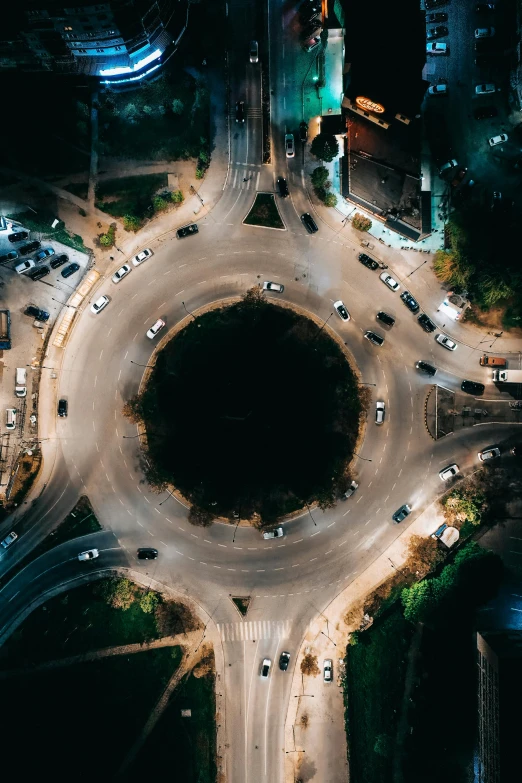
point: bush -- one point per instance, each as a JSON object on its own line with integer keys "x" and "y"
{"x": 108, "y": 239}
{"x": 177, "y": 106}
{"x": 361, "y": 223}
{"x": 199, "y": 173}
{"x": 159, "y": 203}
{"x": 309, "y": 665}
{"x": 177, "y": 196}
{"x": 131, "y": 223}
{"x": 200, "y": 517}
{"x": 319, "y": 177}
{"x": 330, "y": 200}
{"x": 149, "y": 602}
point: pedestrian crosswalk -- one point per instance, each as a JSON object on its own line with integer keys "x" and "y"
{"x": 253, "y": 630}
{"x": 245, "y": 177}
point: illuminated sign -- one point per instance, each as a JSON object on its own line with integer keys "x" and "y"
{"x": 368, "y": 105}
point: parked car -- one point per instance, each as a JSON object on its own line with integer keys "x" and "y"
{"x": 472, "y": 387}
{"x": 25, "y": 266}
{"x": 70, "y": 270}
{"x": 89, "y": 554}
{"x": 426, "y": 323}
{"x": 37, "y": 274}
{"x": 18, "y": 236}
{"x": 11, "y": 256}
{"x": 284, "y": 660}
{"x": 435, "y": 18}
{"x": 410, "y": 302}
{"x": 437, "y": 48}
{"x": 450, "y": 164}
{"x": 351, "y": 489}
{"x": 276, "y": 287}
{"x": 439, "y": 531}
{"x": 483, "y": 8}
{"x": 387, "y": 319}
{"x": 99, "y": 304}
{"x": 341, "y": 310}
{"x": 401, "y": 513}
{"x": 438, "y": 89}
{"x": 142, "y": 256}
{"x": 449, "y": 472}
{"x": 187, "y": 231}
{"x": 147, "y": 553}
{"x": 485, "y": 89}
{"x": 24, "y": 250}
{"x": 312, "y": 29}
{"x": 484, "y": 32}
{"x": 309, "y": 12}
{"x": 429, "y": 4}
{"x": 9, "y": 539}
{"x": 289, "y": 145}
{"x": 282, "y": 186}
{"x": 309, "y": 223}
{"x": 44, "y": 253}
{"x": 265, "y": 668}
{"x": 380, "y": 412}
{"x": 500, "y": 139}
{"x": 371, "y": 263}
{"x": 311, "y": 43}
{"x": 122, "y": 272}
{"x": 425, "y": 367}
{"x": 276, "y": 532}
{"x": 240, "y": 111}
{"x": 374, "y": 338}
{"x": 155, "y": 329}
{"x": 389, "y": 281}
{"x": 446, "y": 342}
{"x": 254, "y": 52}
{"x": 36, "y": 312}
{"x": 62, "y": 408}
{"x": 303, "y": 132}
{"x": 485, "y": 112}
{"x": 436, "y": 32}
{"x": 490, "y": 453}
{"x": 59, "y": 261}
{"x": 328, "y": 670}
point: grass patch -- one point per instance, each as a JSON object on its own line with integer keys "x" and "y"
{"x": 28, "y": 469}
{"x": 107, "y": 701}
{"x": 242, "y": 604}
{"x": 80, "y": 189}
{"x": 131, "y": 196}
{"x": 264, "y": 212}
{"x": 373, "y": 692}
{"x": 42, "y": 224}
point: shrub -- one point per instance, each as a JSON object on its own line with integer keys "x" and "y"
{"x": 149, "y": 602}
{"x": 131, "y": 223}
{"x": 199, "y": 173}
{"x": 361, "y": 223}
{"x": 319, "y": 176}
{"x": 309, "y": 665}
{"x": 330, "y": 200}
{"x": 159, "y": 203}
{"x": 200, "y": 517}
{"x": 108, "y": 239}
{"x": 177, "y": 196}
{"x": 177, "y": 106}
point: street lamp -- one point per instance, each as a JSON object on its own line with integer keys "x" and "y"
{"x": 129, "y": 437}
{"x": 308, "y": 507}
{"x": 366, "y": 459}
{"x": 170, "y": 495}
{"x": 40, "y": 367}
{"x": 322, "y": 327}
{"x": 188, "y": 311}
{"x": 150, "y": 366}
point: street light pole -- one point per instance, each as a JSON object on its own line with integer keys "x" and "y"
{"x": 150, "y": 366}
{"x": 188, "y": 311}
{"x": 322, "y": 327}
{"x": 170, "y": 495}
{"x": 308, "y": 507}
{"x": 366, "y": 459}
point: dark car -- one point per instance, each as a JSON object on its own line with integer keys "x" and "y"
{"x": 410, "y": 302}
{"x": 436, "y": 18}
{"x": 303, "y": 132}
{"x": 187, "y": 231}
{"x": 429, "y": 4}
{"x": 374, "y": 338}
{"x": 436, "y": 32}
{"x": 59, "y": 261}
{"x": 485, "y": 112}
{"x": 311, "y": 29}
{"x": 9, "y": 256}
{"x": 387, "y": 319}
{"x": 401, "y": 513}
{"x": 62, "y": 408}
{"x": 147, "y": 553}
{"x": 371, "y": 263}
{"x": 240, "y": 111}
{"x": 35, "y": 312}
{"x": 24, "y": 250}
{"x": 429, "y": 369}
{"x": 282, "y": 186}
{"x": 472, "y": 387}
{"x": 484, "y": 8}
{"x": 309, "y": 222}
{"x": 37, "y": 274}
{"x": 284, "y": 660}
{"x": 18, "y": 236}
{"x": 43, "y": 254}
{"x": 70, "y": 270}
{"x": 426, "y": 323}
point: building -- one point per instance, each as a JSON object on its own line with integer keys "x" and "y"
{"x": 119, "y": 41}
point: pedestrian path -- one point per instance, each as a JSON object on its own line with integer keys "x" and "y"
{"x": 256, "y": 629}
{"x": 244, "y": 176}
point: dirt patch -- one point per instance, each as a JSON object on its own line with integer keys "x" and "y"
{"x": 27, "y": 471}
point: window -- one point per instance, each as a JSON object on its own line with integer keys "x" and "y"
{"x": 101, "y": 51}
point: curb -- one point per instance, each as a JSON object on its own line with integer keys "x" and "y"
{"x": 426, "y": 413}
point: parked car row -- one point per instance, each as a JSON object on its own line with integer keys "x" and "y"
{"x": 284, "y": 660}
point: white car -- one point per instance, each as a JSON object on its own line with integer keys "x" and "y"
{"x": 254, "y": 52}
{"x": 436, "y": 48}
{"x": 142, "y": 256}
{"x": 449, "y": 472}
{"x": 99, "y": 304}
{"x": 25, "y": 266}
{"x": 90, "y": 554}
{"x": 438, "y": 89}
{"x": 494, "y": 140}
{"x": 289, "y": 145}
{"x": 122, "y": 272}
{"x": 389, "y": 281}
{"x": 450, "y": 164}
{"x": 341, "y": 310}
{"x": 265, "y": 668}
{"x": 484, "y": 89}
{"x": 277, "y": 532}
{"x": 445, "y": 341}
{"x": 9, "y": 539}
{"x": 277, "y": 287}
{"x": 157, "y": 327}
{"x": 490, "y": 453}
{"x": 328, "y": 670}
{"x": 380, "y": 412}
{"x": 484, "y": 32}
{"x": 351, "y": 489}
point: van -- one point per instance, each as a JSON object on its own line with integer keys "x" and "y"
{"x": 21, "y": 382}
{"x": 492, "y": 361}
{"x": 10, "y": 418}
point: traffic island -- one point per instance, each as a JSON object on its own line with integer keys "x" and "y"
{"x": 264, "y": 212}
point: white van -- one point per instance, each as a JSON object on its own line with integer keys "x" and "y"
{"x": 10, "y": 418}
{"x": 21, "y": 382}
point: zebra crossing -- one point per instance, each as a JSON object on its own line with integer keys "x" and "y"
{"x": 245, "y": 177}
{"x": 254, "y": 630}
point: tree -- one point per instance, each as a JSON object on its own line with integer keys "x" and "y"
{"x": 177, "y": 106}
{"x": 451, "y": 267}
{"x": 117, "y": 592}
{"x": 325, "y": 147}
{"x": 361, "y": 223}
{"x": 131, "y": 222}
{"x": 418, "y": 601}
{"x": 149, "y": 602}
{"x": 177, "y": 196}
{"x": 159, "y": 203}
{"x": 309, "y": 665}
{"x": 133, "y": 409}
{"x": 200, "y": 517}
{"x": 330, "y": 200}
{"x": 319, "y": 177}
{"x": 253, "y": 298}
{"x": 383, "y": 745}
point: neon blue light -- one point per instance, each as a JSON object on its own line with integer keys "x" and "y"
{"x": 128, "y": 69}
{"x": 132, "y": 78}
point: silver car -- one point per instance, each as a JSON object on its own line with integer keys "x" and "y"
{"x": 380, "y": 411}
{"x": 277, "y": 532}
{"x": 389, "y": 281}
{"x": 276, "y": 287}
{"x": 122, "y": 272}
{"x": 449, "y": 472}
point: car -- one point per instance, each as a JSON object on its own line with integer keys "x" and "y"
{"x": 387, "y": 319}
{"x": 328, "y": 670}
{"x": 426, "y": 323}
{"x": 269, "y": 286}
{"x": 37, "y": 274}
{"x": 44, "y": 253}
{"x": 389, "y": 281}
{"x": 485, "y": 112}
{"x": 484, "y": 32}
{"x": 155, "y": 329}
{"x": 70, "y": 270}
{"x": 436, "y": 32}
{"x": 311, "y": 44}
{"x": 147, "y": 553}
{"x": 303, "y": 132}
{"x": 62, "y": 408}
{"x": 240, "y": 111}
{"x": 439, "y": 531}
{"x": 24, "y": 250}
{"x": 450, "y": 164}
{"x": 429, "y": 4}
{"x": 282, "y": 186}
{"x": 449, "y": 472}
{"x": 425, "y": 367}
{"x": 312, "y": 29}
{"x": 351, "y": 489}
{"x": 284, "y": 660}
{"x": 289, "y": 145}
{"x": 373, "y": 338}
{"x": 100, "y": 304}
{"x": 434, "y": 18}
{"x": 438, "y": 89}
{"x": 496, "y": 199}
{"x": 485, "y": 89}
{"x": 446, "y": 342}
{"x": 25, "y": 266}
{"x": 472, "y": 387}
{"x": 9, "y": 539}
{"x": 490, "y": 453}
{"x": 122, "y": 272}
{"x": 18, "y": 236}
{"x": 265, "y": 668}
{"x": 380, "y": 412}
{"x": 341, "y": 310}
{"x": 276, "y": 532}
{"x": 500, "y": 139}
{"x": 309, "y": 222}
{"x": 410, "y": 302}
{"x": 484, "y": 8}
{"x": 309, "y": 11}
{"x": 187, "y": 231}
{"x": 36, "y": 312}
{"x": 401, "y": 513}
{"x": 142, "y": 256}
{"x": 254, "y": 52}
{"x": 371, "y": 263}
{"x": 436, "y": 48}
{"x": 89, "y": 554}
{"x": 59, "y": 261}
{"x": 11, "y": 256}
